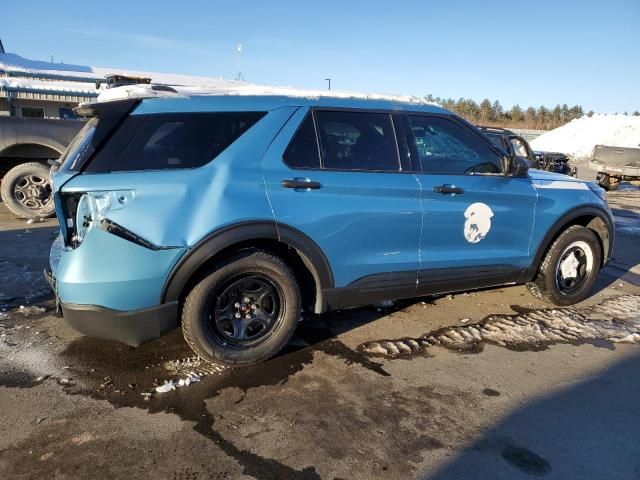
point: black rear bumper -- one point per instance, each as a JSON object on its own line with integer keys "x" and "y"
{"x": 131, "y": 327}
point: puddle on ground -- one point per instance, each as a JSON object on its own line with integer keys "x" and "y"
{"x": 126, "y": 376}
{"x": 613, "y": 321}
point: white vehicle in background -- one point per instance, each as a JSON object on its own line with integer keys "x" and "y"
{"x": 615, "y": 165}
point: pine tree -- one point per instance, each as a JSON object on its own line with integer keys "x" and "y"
{"x": 531, "y": 117}
{"x": 486, "y": 112}
{"x": 516, "y": 113}
{"x": 497, "y": 110}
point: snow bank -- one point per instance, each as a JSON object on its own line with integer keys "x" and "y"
{"x": 578, "y": 137}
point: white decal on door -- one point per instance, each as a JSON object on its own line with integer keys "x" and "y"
{"x": 478, "y": 222}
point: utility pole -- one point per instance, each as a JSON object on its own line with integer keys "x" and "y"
{"x": 328, "y": 80}
{"x": 239, "y": 77}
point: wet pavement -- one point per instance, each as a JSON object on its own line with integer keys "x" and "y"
{"x": 490, "y": 384}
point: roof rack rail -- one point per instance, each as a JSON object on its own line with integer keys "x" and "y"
{"x": 495, "y": 129}
{"x": 115, "y": 80}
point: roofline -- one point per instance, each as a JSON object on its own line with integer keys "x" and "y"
{"x": 157, "y": 99}
{"x": 496, "y": 129}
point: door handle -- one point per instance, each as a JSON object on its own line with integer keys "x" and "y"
{"x": 448, "y": 189}
{"x": 300, "y": 183}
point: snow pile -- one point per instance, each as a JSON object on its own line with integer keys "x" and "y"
{"x": 169, "y": 385}
{"x": 578, "y": 137}
{"x": 616, "y": 320}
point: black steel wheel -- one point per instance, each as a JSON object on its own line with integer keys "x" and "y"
{"x": 569, "y": 268}
{"x": 243, "y": 311}
{"x": 246, "y": 310}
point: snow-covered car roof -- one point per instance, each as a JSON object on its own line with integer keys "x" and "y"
{"x": 33, "y": 74}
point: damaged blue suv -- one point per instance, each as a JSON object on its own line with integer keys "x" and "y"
{"x": 231, "y": 214}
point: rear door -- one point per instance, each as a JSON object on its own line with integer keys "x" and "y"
{"x": 477, "y": 221}
{"x": 336, "y": 176}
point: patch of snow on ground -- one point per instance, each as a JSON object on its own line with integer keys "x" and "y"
{"x": 615, "y": 320}
{"x": 578, "y": 137}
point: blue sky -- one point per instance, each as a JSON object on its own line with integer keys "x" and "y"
{"x": 532, "y": 53}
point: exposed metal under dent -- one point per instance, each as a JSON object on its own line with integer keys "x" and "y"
{"x": 126, "y": 234}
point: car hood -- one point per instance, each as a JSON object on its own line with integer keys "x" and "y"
{"x": 535, "y": 174}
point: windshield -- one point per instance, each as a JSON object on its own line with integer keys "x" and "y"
{"x": 80, "y": 148}
{"x": 495, "y": 139}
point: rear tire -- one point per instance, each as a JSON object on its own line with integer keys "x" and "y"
{"x": 242, "y": 312}
{"x": 569, "y": 268}
{"x": 26, "y": 191}
{"x": 609, "y": 183}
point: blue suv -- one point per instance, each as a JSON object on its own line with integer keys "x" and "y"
{"x": 232, "y": 214}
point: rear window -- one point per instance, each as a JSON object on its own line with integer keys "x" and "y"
{"x": 80, "y": 146}
{"x": 303, "y": 149}
{"x": 352, "y": 140}
{"x": 170, "y": 141}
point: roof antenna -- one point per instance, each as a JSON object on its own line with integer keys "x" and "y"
{"x": 239, "y": 76}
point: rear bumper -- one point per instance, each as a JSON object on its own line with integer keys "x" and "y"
{"x": 132, "y": 327}
{"x": 622, "y": 170}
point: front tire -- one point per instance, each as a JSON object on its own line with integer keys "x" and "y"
{"x": 244, "y": 311}
{"x": 569, "y": 268}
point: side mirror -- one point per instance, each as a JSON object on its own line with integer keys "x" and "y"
{"x": 518, "y": 166}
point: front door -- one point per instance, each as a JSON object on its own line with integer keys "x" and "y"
{"x": 335, "y": 175}
{"x": 477, "y": 221}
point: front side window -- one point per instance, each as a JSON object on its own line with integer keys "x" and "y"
{"x": 444, "y": 147}
{"x": 352, "y": 140}
{"x": 170, "y": 141}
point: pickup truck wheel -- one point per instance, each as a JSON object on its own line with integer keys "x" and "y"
{"x": 609, "y": 183}
{"x": 26, "y": 191}
{"x": 569, "y": 268}
{"x": 244, "y": 311}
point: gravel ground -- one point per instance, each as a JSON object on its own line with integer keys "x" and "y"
{"x": 490, "y": 384}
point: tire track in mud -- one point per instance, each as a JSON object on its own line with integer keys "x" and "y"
{"x": 616, "y": 320}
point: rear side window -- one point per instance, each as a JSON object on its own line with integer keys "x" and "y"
{"x": 170, "y": 141}
{"x": 444, "y": 147}
{"x": 357, "y": 141}
{"x": 303, "y": 149}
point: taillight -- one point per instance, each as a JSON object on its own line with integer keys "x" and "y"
{"x": 85, "y": 211}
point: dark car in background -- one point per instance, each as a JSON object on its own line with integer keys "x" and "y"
{"x": 514, "y": 144}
